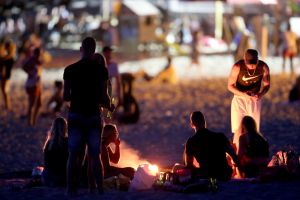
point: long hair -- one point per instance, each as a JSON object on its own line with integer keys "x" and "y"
{"x": 249, "y": 126}
{"x": 57, "y": 134}
{"x": 109, "y": 130}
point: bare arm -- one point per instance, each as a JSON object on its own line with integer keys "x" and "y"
{"x": 231, "y": 84}
{"x": 114, "y": 157}
{"x": 188, "y": 160}
{"x": 105, "y": 97}
{"x": 266, "y": 81}
{"x": 11, "y": 52}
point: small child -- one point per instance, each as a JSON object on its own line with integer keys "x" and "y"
{"x": 55, "y": 103}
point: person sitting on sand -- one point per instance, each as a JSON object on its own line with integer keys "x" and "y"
{"x": 56, "y": 101}
{"x": 209, "y": 149}
{"x": 295, "y": 91}
{"x": 110, "y": 136}
{"x": 254, "y": 149}
{"x": 166, "y": 75}
{"x": 56, "y": 154}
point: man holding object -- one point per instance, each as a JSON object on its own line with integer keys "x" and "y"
{"x": 249, "y": 81}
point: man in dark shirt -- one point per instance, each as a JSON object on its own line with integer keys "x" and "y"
{"x": 85, "y": 87}
{"x": 249, "y": 81}
{"x": 209, "y": 149}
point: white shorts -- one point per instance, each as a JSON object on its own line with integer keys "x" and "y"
{"x": 241, "y": 107}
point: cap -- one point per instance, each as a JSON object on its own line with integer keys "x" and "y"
{"x": 251, "y": 56}
{"x": 107, "y": 48}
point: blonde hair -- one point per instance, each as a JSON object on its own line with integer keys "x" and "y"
{"x": 57, "y": 133}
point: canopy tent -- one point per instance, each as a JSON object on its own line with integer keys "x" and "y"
{"x": 141, "y": 7}
{"x": 252, "y": 2}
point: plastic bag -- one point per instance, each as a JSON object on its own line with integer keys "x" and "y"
{"x": 143, "y": 178}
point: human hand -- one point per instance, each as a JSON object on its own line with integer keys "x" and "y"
{"x": 117, "y": 141}
{"x": 252, "y": 96}
{"x": 112, "y": 107}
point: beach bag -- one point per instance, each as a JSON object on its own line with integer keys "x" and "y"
{"x": 287, "y": 160}
{"x": 143, "y": 178}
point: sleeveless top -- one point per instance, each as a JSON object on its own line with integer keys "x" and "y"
{"x": 249, "y": 81}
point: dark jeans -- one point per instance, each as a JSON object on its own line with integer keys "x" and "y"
{"x": 84, "y": 130}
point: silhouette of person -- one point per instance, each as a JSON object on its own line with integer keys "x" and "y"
{"x": 294, "y": 94}
{"x": 56, "y": 154}
{"x": 253, "y": 149}
{"x": 209, "y": 149}
{"x": 131, "y": 110}
{"x": 249, "y": 81}
{"x": 111, "y": 136}
{"x": 289, "y": 47}
{"x": 33, "y": 67}
{"x": 85, "y": 87}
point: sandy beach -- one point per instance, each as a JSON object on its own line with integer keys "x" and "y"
{"x": 159, "y": 135}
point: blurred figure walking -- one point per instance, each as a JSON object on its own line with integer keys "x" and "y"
{"x": 7, "y": 59}
{"x": 33, "y": 67}
{"x": 289, "y": 47}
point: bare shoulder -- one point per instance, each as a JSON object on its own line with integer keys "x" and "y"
{"x": 264, "y": 65}
{"x": 235, "y": 68}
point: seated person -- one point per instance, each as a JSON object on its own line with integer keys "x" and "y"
{"x": 253, "y": 149}
{"x": 166, "y": 75}
{"x": 111, "y": 136}
{"x": 295, "y": 91}
{"x": 56, "y": 154}
{"x": 209, "y": 149}
{"x": 131, "y": 110}
{"x": 55, "y": 103}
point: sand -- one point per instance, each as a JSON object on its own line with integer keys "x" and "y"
{"x": 159, "y": 135}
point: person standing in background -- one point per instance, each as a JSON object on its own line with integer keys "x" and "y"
{"x": 7, "y": 59}
{"x": 289, "y": 47}
{"x": 33, "y": 67}
{"x": 114, "y": 75}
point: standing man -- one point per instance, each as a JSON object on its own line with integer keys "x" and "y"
{"x": 249, "y": 81}
{"x": 85, "y": 87}
{"x": 289, "y": 47}
{"x": 114, "y": 75}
